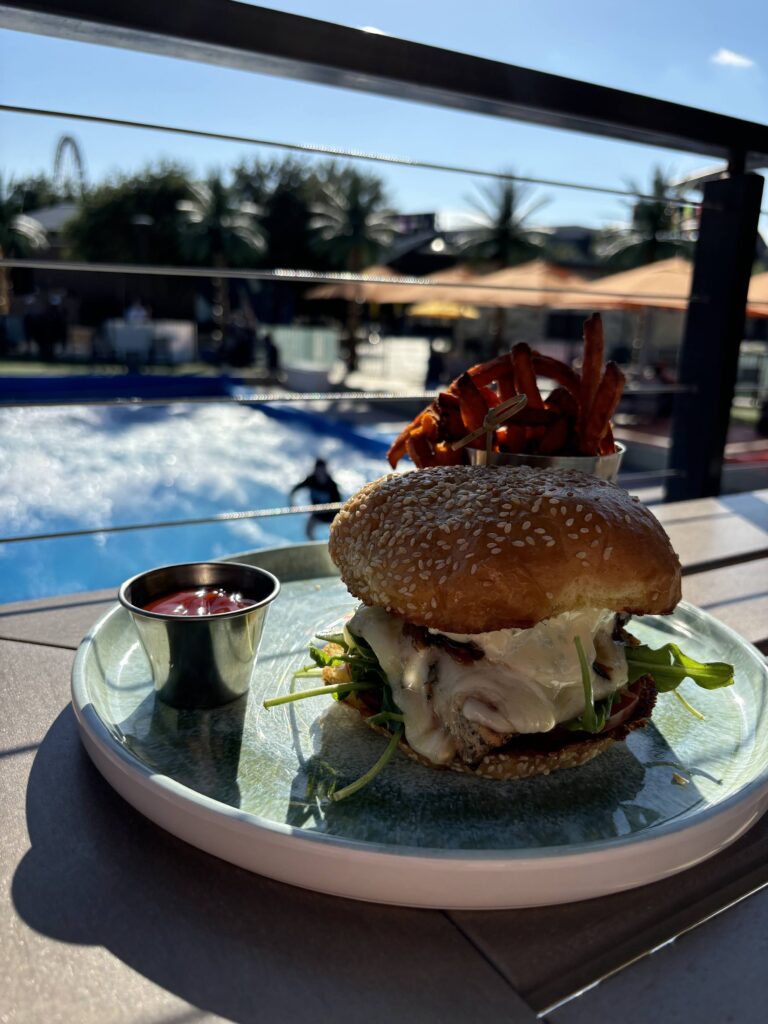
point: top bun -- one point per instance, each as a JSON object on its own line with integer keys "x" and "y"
{"x": 470, "y": 549}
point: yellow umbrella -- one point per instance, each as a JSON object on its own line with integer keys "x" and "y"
{"x": 438, "y": 309}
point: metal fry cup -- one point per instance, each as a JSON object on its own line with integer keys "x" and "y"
{"x": 606, "y": 467}
{"x": 200, "y": 661}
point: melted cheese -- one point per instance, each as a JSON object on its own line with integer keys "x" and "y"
{"x": 528, "y": 681}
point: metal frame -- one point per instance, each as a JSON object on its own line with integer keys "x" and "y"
{"x": 257, "y": 39}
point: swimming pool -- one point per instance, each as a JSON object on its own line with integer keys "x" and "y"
{"x": 86, "y": 466}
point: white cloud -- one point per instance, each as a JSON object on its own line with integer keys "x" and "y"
{"x": 731, "y": 59}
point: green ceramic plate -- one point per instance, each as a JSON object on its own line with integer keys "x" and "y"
{"x": 247, "y": 784}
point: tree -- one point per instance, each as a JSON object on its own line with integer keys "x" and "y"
{"x": 221, "y": 231}
{"x": 654, "y": 230}
{"x": 20, "y": 235}
{"x": 352, "y": 224}
{"x": 37, "y": 191}
{"x": 503, "y": 235}
{"x": 285, "y": 191}
{"x": 133, "y": 219}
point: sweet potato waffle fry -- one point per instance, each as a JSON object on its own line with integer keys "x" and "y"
{"x": 574, "y": 419}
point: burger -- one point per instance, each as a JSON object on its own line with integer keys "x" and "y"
{"x": 492, "y": 635}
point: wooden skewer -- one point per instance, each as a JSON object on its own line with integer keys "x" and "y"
{"x": 493, "y": 419}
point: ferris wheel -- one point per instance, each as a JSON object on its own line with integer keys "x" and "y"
{"x": 68, "y": 167}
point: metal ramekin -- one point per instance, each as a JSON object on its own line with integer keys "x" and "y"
{"x": 207, "y": 660}
{"x": 606, "y": 467}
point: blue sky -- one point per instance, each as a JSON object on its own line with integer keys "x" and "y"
{"x": 693, "y": 52}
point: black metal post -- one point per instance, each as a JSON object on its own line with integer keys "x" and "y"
{"x": 713, "y": 333}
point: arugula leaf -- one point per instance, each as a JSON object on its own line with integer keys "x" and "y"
{"x": 590, "y": 720}
{"x": 669, "y": 667}
{"x": 585, "y": 723}
{"x": 321, "y": 657}
{"x": 370, "y": 775}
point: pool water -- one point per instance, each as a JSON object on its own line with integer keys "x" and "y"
{"x": 87, "y": 467}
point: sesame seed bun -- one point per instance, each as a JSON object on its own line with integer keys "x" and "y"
{"x": 537, "y": 753}
{"x": 471, "y": 549}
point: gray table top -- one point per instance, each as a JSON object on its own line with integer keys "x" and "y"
{"x": 106, "y": 917}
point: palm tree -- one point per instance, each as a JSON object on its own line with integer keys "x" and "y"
{"x": 352, "y": 225}
{"x": 502, "y": 236}
{"x": 222, "y": 231}
{"x": 653, "y": 233}
{"x": 19, "y": 236}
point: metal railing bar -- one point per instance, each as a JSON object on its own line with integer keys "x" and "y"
{"x": 238, "y": 399}
{"x": 260, "y": 398}
{"x": 220, "y": 517}
{"x": 256, "y": 39}
{"x": 311, "y": 277}
{"x": 347, "y": 154}
{"x": 233, "y": 517}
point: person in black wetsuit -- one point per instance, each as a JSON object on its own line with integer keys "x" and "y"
{"x": 322, "y": 491}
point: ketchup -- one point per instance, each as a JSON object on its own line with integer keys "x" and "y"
{"x": 203, "y": 601}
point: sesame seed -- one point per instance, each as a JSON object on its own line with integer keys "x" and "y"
{"x": 549, "y": 595}
{"x": 569, "y": 522}
{"x": 473, "y": 570}
{"x": 526, "y": 524}
{"x": 563, "y": 510}
{"x": 581, "y": 554}
{"x": 579, "y": 508}
{"x": 607, "y": 554}
{"x": 584, "y": 529}
{"x": 573, "y": 536}
{"x": 539, "y": 529}
{"x": 594, "y": 543}
{"x": 433, "y": 603}
{"x": 508, "y": 528}
{"x": 587, "y": 517}
{"x": 441, "y": 581}
{"x": 495, "y": 551}
{"x": 518, "y": 544}
{"x": 529, "y": 540}
{"x": 550, "y": 543}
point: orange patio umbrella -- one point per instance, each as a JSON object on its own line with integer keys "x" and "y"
{"x": 757, "y": 300}
{"x": 536, "y": 283}
{"x": 665, "y": 284}
{"x": 354, "y": 290}
{"x": 443, "y": 288}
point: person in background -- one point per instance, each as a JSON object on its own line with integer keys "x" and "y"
{"x": 272, "y": 354}
{"x": 136, "y": 314}
{"x": 322, "y": 491}
{"x": 435, "y": 367}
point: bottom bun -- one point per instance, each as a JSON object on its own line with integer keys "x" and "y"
{"x": 535, "y": 753}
